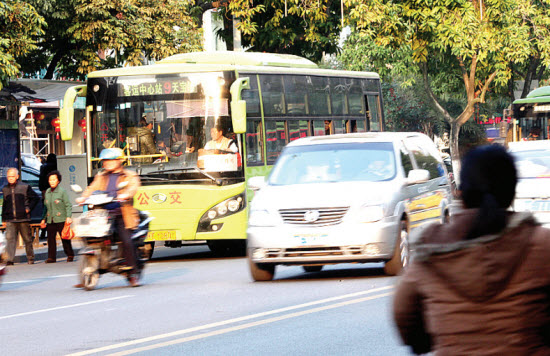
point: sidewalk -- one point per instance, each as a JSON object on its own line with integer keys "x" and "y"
{"x": 41, "y": 251}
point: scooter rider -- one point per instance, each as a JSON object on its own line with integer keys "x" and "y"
{"x": 126, "y": 217}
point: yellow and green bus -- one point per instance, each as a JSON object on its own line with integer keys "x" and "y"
{"x": 162, "y": 116}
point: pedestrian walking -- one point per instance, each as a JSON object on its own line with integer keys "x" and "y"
{"x": 57, "y": 211}
{"x": 19, "y": 200}
{"x": 479, "y": 285}
{"x": 48, "y": 166}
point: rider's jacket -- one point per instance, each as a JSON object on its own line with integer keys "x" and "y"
{"x": 129, "y": 213}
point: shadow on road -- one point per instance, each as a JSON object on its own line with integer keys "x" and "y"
{"x": 329, "y": 273}
{"x": 186, "y": 253}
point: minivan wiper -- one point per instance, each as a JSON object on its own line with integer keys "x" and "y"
{"x": 194, "y": 169}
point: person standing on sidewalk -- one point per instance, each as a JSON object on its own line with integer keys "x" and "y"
{"x": 48, "y": 166}
{"x": 57, "y": 211}
{"x": 19, "y": 200}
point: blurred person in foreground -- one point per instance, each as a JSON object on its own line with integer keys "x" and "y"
{"x": 479, "y": 285}
{"x": 126, "y": 217}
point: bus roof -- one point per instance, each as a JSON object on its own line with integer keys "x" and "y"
{"x": 242, "y": 58}
{"x": 230, "y": 61}
{"x": 539, "y": 95}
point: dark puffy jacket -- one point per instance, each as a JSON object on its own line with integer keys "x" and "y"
{"x": 484, "y": 296}
{"x": 17, "y": 198}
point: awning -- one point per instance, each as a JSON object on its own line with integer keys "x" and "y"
{"x": 39, "y": 93}
{"x": 539, "y": 95}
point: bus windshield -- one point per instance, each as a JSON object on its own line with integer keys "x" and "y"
{"x": 166, "y": 122}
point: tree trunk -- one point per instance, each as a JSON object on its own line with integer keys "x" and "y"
{"x": 455, "y": 153}
{"x": 53, "y": 64}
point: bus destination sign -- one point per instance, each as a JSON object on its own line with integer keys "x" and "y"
{"x": 159, "y": 87}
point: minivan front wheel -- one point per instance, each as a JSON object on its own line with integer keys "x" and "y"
{"x": 260, "y": 271}
{"x": 401, "y": 254}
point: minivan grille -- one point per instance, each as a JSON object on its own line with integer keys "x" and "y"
{"x": 314, "y": 216}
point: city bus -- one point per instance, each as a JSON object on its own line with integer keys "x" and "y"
{"x": 532, "y": 116}
{"x": 196, "y": 191}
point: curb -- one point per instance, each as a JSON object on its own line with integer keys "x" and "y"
{"x": 41, "y": 254}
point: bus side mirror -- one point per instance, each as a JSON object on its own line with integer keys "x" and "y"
{"x": 66, "y": 113}
{"x": 238, "y": 106}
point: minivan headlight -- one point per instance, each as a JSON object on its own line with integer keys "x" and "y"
{"x": 370, "y": 213}
{"x": 261, "y": 218}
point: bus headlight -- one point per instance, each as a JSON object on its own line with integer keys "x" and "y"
{"x": 234, "y": 204}
{"x": 221, "y": 210}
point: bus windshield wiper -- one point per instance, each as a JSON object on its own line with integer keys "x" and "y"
{"x": 217, "y": 181}
{"x": 147, "y": 176}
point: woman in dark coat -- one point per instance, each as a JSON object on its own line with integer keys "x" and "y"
{"x": 479, "y": 285}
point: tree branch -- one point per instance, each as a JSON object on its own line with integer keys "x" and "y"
{"x": 433, "y": 99}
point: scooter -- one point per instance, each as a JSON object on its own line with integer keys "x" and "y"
{"x": 2, "y": 249}
{"x": 102, "y": 253}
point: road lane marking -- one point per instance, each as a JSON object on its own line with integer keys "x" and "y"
{"x": 248, "y": 325}
{"x": 40, "y": 279}
{"x": 226, "y": 322}
{"x": 64, "y": 307}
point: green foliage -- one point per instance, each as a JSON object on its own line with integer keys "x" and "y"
{"x": 85, "y": 35}
{"x": 20, "y": 24}
{"x": 463, "y": 50}
{"x": 405, "y": 109}
{"x": 308, "y": 29}
{"x": 133, "y": 29}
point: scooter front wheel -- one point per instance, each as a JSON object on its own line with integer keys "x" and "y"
{"x": 89, "y": 274}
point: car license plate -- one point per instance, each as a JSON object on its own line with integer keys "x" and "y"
{"x": 161, "y": 235}
{"x": 310, "y": 239}
{"x": 536, "y": 205}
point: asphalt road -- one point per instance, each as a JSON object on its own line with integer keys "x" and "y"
{"x": 193, "y": 303}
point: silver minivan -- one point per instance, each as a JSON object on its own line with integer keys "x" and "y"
{"x": 349, "y": 198}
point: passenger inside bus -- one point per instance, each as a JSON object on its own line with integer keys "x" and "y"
{"x": 146, "y": 139}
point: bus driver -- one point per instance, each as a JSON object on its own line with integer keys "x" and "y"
{"x": 219, "y": 141}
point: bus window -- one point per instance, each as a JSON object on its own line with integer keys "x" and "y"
{"x": 297, "y": 129}
{"x": 252, "y": 97}
{"x": 272, "y": 94}
{"x": 318, "y": 96}
{"x": 356, "y": 101}
{"x": 275, "y": 139}
{"x": 319, "y": 128}
{"x": 374, "y": 112}
{"x": 339, "y": 126}
{"x": 358, "y": 126}
{"x": 338, "y": 90}
{"x": 254, "y": 151}
{"x": 295, "y": 95}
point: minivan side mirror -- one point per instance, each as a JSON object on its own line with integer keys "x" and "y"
{"x": 256, "y": 183}
{"x": 417, "y": 176}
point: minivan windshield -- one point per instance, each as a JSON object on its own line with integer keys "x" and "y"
{"x": 339, "y": 162}
{"x": 532, "y": 164}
